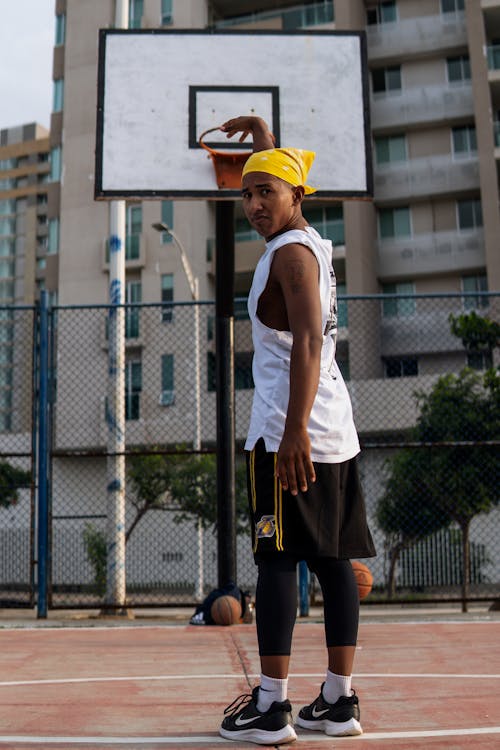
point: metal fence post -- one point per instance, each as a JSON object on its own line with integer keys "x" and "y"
{"x": 224, "y": 345}
{"x": 43, "y": 448}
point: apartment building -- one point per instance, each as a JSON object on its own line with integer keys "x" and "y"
{"x": 433, "y": 225}
{"x": 26, "y": 259}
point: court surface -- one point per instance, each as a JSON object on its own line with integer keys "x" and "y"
{"x": 422, "y": 684}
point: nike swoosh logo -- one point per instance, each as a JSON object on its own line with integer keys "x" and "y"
{"x": 241, "y": 722}
{"x": 317, "y": 713}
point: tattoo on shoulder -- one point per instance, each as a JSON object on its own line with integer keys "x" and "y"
{"x": 295, "y": 275}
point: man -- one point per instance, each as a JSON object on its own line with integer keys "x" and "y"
{"x": 304, "y": 491}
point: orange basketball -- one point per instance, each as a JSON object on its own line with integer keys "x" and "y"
{"x": 226, "y": 610}
{"x": 364, "y": 578}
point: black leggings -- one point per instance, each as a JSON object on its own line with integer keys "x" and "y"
{"x": 276, "y": 602}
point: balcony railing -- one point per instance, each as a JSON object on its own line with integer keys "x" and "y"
{"x": 296, "y": 17}
{"x": 424, "y": 104}
{"x": 438, "y": 252}
{"x": 417, "y": 36}
{"x": 426, "y": 176}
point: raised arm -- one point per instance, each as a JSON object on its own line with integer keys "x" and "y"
{"x": 262, "y": 136}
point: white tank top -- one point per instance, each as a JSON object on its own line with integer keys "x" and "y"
{"x": 331, "y": 427}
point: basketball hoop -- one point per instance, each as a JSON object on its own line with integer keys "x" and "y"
{"x": 227, "y": 165}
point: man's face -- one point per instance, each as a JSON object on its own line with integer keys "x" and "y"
{"x": 271, "y": 205}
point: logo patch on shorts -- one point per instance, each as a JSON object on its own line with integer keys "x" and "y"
{"x": 266, "y": 527}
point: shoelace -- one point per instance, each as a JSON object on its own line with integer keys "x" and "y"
{"x": 239, "y": 703}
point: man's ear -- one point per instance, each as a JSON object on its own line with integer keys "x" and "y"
{"x": 298, "y": 194}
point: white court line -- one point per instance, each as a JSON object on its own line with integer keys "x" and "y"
{"x": 216, "y": 740}
{"x": 38, "y": 627}
{"x": 292, "y": 675}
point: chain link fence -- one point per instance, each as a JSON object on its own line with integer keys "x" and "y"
{"x": 429, "y": 431}
{"x": 17, "y": 456}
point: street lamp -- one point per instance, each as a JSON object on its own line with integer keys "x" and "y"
{"x": 195, "y": 294}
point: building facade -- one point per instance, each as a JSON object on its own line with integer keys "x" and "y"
{"x": 433, "y": 225}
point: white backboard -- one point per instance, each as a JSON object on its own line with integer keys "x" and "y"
{"x": 159, "y": 90}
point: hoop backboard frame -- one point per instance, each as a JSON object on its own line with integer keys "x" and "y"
{"x": 148, "y": 125}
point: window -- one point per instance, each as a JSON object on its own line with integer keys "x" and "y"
{"x": 7, "y": 225}
{"x": 458, "y": 69}
{"x": 55, "y": 164}
{"x": 135, "y": 11}
{"x": 309, "y": 13}
{"x": 464, "y": 140}
{"x": 391, "y": 148}
{"x": 381, "y": 13}
{"x": 394, "y": 222}
{"x": 479, "y": 360}
{"x": 133, "y": 388}
{"x": 493, "y": 54}
{"x": 133, "y": 230}
{"x": 386, "y": 79}
{"x": 167, "y": 217}
{"x": 241, "y": 308}
{"x": 134, "y": 219}
{"x": 166, "y": 12}
{"x": 470, "y": 215}
{"x": 6, "y": 269}
{"x": 7, "y": 247}
{"x": 53, "y": 237}
{"x": 403, "y": 367}
{"x": 243, "y": 379}
{"x": 398, "y": 306}
{"x": 6, "y": 291}
{"x": 243, "y": 232}
{"x": 58, "y": 95}
{"x": 167, "y": 297}
{"x": 7, "y": 207}
{"x": 475, "y": 284}
{"x": 133, "y": 293}
{"x": 60, "y": 30}
{"x": 328, "y": 221}
{"x": 167, "y": 380}
{"x": 452, "y": 6}
{"x": 341, "y": 307}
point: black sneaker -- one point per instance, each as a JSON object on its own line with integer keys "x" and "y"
{"x": 338, "y": 719}
{"x": 244, "y": 721}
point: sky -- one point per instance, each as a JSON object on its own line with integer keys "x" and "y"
{"x": 27, "y": 30}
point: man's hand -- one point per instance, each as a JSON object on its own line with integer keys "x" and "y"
{"x": 262, "y": 136}
{"x": 294, "y": 467}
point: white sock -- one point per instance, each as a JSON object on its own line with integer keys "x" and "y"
{"x": 335, "y": 686}
{"x": 271, "y": 689}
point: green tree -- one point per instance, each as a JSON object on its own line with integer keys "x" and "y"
{"x": 455, "y": 473}
{"x": 479, "y": 334}
{"x": 463, "y": 480}
{"x": 186, "y": 484}
{"x": 12, "y": 480}
{"x": 194, "y": 492}
{"x": 95, "y": 545}
{"x": 403, "y": 512}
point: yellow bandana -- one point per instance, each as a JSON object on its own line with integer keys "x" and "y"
{"x": 290, "y": 164}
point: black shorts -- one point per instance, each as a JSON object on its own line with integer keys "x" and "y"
{"x": 329, "y": 520}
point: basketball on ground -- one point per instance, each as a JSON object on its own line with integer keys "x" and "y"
{"x": 226, "y": 610}
{"x": 364, "y": 578}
